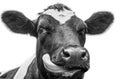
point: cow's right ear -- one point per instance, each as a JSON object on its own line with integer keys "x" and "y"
{"x": 18, "y": 23}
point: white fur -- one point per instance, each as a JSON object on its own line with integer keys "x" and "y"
{"x": 3, "y": 72}
{"x": 61, "y": 16}
{"x": 23, "y": 69}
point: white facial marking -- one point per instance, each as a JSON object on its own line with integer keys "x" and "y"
{"x": 23, "y": 69}
{"x": 61, "y": 16}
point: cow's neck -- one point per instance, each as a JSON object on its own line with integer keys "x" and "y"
{"x": 28, "y": 70}
{"x": 33, "y": 72}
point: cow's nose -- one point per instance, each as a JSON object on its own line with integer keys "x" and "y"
{"x": 77, "y": 53}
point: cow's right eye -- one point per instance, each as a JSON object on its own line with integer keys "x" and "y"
{"x": 42, "y": 30}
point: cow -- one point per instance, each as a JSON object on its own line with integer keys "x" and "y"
{"x": 61, "y": 35}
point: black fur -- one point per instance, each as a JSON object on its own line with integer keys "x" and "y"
{"x": 18, "y": 23}
{"x": 99, "y": 22}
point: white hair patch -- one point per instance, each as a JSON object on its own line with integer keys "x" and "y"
{"x": 23, "y": 69}
{"x": 62, "y": 16}
{"x": 3, "y": 72}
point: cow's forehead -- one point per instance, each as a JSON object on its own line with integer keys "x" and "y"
{"x": 59, "y": 12}
{"x": 61, "y": 16}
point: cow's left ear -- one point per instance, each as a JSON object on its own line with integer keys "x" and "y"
{"x": 99, "y": 22}
{"x": 18, "y": 23}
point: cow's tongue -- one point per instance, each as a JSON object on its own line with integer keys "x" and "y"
{"x": 54, "y": 68}
{"x": 51, "y": 66}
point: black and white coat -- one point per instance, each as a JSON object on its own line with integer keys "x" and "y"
{"x": 29, "y": 70}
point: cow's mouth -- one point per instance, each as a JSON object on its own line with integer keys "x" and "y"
{"x": 51, "y": 67}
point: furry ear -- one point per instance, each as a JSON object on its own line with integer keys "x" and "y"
{"x": 99, "y": 22}
{"x": 18, "y": 23}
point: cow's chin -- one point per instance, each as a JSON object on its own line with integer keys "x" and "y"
{"x": 51, "y": 67}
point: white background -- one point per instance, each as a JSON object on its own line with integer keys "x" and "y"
{"x": 104, "y": 49}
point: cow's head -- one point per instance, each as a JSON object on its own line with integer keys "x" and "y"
{"x": 60, "y": 39}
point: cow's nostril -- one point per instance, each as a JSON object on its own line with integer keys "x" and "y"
{"x": 84, "y": 56}
{"x": 65, "y": 54}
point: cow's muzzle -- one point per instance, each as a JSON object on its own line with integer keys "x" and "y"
{"x": 75, "y": 55}
{"x": 69, "y": 60}
{"x": 73, "y": 58}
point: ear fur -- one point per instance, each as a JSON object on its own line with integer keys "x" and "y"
{"x": 99, "y": 22}
{"x": 18, "y": 23}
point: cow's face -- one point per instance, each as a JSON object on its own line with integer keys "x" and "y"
{"x": 60, "y": 39}
{"x": 64, "y": 43}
